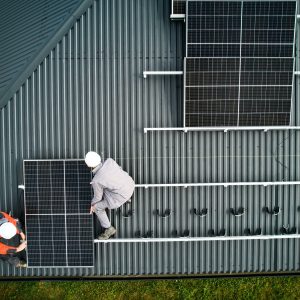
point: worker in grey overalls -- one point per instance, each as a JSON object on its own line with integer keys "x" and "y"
{"x": 112, "y": 188}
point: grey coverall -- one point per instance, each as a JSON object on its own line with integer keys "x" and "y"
{"x": 112, "y": 188}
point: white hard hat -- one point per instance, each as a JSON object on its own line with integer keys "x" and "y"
{"x": 8, "y": 230}
{"x": 92, "y": 159}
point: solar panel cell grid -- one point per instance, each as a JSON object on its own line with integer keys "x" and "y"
{"x": 211, "y": 93}
{"x": 212, "y": 64}
{"x": 266, "y": 93}
{"x": 267, "y": 50}
{"x": 267, "y": 36}
{"x": 79, "y": 238}
{"x": 46, "y": 240}
{"x": 263, "y": 119}
{"x": 269, "y": 8}
{"x": 179, "y": 6}
{"x": 58, "y": 224}
{"x": 213, "y": 36}
{"x": 244, "y": 45}
{"x": 211, "y": 120}
{"x": 269, "y": 22}
{"x": 267, "y": 64}
{"x": 212, "y": 78}
{"x": 78, "y": 198}
{"x": 213, "y": 50}
{"x": 204, "y": 107}
{"x": 265, "y": 78}
{"x": 214, "y": 8}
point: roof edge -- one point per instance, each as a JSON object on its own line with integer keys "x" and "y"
{"x": 43, "y": 52}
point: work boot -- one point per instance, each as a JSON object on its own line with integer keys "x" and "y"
{"x": 21, "y": 264}
{"x": 107, "y": 233}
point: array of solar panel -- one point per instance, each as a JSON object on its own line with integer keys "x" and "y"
{"x": 179, "y": 7}
{"x": 59, "y": 227}
{"x": 239, "y": 65}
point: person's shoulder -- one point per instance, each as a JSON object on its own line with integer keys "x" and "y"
{"x": 109, "y": 161}
{"x": 3, "y": 214}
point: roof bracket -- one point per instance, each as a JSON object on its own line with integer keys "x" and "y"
{"x": 258, "y": 231}
{"x": 185, "y": 233}
{"x": 198, "y": 212}
{"x": 126, "y": 214}
{"x": 239, "y": 212}
{"x": 286, "y": 230}
{"x": 212, "y": 233}
{"x": 164, "y": 214}
{"x": 275, "y": 212}
{"x": 147, "y": 235}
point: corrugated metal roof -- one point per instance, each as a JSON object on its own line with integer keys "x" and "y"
{"x": 26, "y": 28}
{"x": 89, "y": 94}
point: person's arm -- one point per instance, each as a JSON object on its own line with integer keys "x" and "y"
{"x": 23, "y": 236}
{"x": 6, "y": 250}
{"x": 22, "y": 246}
{"x": 98, "y": 193}
{"x": 20, "y": 230}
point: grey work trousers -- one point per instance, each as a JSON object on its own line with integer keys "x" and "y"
{"x": 11, "y": 259}
{"x": 101, "y": 213}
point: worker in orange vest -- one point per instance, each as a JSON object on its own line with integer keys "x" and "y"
{"x": 9, "y": 227}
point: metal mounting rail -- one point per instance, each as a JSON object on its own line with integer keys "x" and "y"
{"x": 146, "y": 73}
{"x": 177, "y": 16}
{"x": 201, "y": 239}
{"x": 225, "y": 129}
{"x": 224, "y": 184}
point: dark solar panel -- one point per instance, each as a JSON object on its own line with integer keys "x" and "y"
{"x": 58, "y": 224}
{"x": 179, "y": 7}
{"x": 239, "y": 64}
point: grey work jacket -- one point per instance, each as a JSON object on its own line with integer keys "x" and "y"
{"x": 111, "y": 183}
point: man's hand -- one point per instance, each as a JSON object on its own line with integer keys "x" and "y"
{"x": 92, "y": 209}
{"x": 22, "y": 247}
{"x": 23, "y": 237}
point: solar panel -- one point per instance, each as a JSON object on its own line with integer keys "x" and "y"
{"x": 178, "y": 7}
{"x": 239, "y": 64}
{"x": 59, "y": 227}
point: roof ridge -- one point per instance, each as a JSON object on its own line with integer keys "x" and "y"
{"x": 43, "y": 51}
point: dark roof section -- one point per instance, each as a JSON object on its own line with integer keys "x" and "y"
{"x": 29, "y": 30}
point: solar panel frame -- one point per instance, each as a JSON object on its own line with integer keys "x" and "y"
{"x": 294, "y": 62}
{"x": 65, "y": 215}
{"x": 289, "y": 76}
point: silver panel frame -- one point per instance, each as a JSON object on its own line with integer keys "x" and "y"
{"x": 293, "y": 95}
{"x": 217, "y": 184}
{"x": 25, "y": 225}
{"x": 200, "y": 239}
{"x": 176, "y": 16}
{"x": 224, "y": 129}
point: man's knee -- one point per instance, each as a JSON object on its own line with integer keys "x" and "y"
{"x": 100, "y": 209}
{"x": 102, "y": 205}
{"x": 13, "y": 260}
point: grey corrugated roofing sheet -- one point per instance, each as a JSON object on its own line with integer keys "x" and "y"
{"x": 89, "y": 94}
{"x": 28, "y": 31}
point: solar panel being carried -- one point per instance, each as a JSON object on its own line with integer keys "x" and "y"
{"x": 239, "y": 64}
{"x": 59, "y": 227}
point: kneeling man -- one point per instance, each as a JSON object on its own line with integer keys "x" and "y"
{"x": 112, "y": 188}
